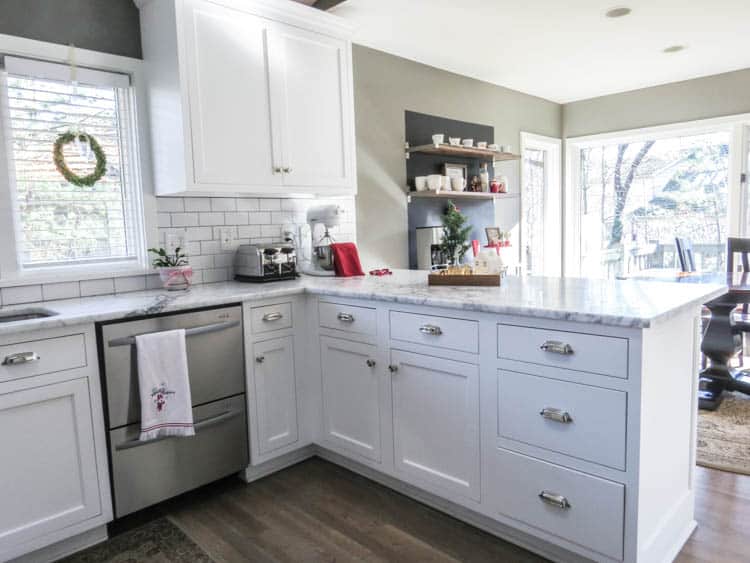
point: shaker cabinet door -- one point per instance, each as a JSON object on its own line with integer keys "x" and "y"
{"x": 314, "y": 91}
{"x": 351, "y": 397}
{"x": 49, "y": 472}
{"x": 436, "y": 422}
{"x": 232, "y": 122}
{"x": 275, "y": 394}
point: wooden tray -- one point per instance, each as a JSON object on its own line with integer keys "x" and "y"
{"x": 486, "y": 280}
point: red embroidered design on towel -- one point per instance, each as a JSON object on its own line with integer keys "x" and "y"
{"x": 159, "y": 395}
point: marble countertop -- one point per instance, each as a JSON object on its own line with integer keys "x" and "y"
{"x": 623, "y": 303}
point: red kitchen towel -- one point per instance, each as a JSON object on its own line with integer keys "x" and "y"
{"x": 346, "y": 259}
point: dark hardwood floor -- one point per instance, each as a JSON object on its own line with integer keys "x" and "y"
{"x": 317, "y": 511}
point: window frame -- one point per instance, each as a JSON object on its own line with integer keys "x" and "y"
{"x": 735, "y": 125}
{"x": 11, "y": 272}
{"x": 552, "y": 201}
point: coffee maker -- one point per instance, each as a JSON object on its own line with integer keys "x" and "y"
{"x": 430, "y": 255}
{"x": 320, "y": 260}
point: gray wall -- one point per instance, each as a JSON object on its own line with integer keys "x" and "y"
{"x": 384, "y": 87}
{"x": 701, "y": 98}
{"x": 110, "y": 26}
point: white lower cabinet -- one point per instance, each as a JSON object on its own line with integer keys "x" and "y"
{"x": 436, "y": 422}
{"x": 351, "y": 397}
{"x": 49, "y": 472}
{"x": 274, "y": 394}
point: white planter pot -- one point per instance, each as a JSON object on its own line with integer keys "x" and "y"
{"x": 177, "y": 278}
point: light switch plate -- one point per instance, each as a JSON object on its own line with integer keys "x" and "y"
{"x": 226, "y": 238}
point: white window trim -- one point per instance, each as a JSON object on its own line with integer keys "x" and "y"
{"x": 10, "y": 274}
{"x": 552, "y": 263}
{"x": 735, "y": 125}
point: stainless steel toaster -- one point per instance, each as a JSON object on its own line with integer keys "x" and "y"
{"x": 265, "y": 262}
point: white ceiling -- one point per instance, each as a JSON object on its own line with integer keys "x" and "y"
{"x": 562, "y": 50}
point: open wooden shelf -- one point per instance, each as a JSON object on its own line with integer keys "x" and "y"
{"x": 460, "y": 195}
{"x": 466, "y": 152}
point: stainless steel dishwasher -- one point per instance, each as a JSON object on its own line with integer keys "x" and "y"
{"x": 144, "y": 473}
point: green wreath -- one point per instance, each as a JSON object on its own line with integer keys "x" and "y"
{"x": 68, "y": 174}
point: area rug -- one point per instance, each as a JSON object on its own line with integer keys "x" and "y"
{"x": 159, "y": 541}
{"x": 724, "y": 435}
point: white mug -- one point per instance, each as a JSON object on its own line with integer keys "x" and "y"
{"x": 438, "y": 139}
{"x": 420, "y": 182}
{"x": 468, "y": 143}
{"x": 434, "y": 181}
{"x": 455, "y": 141}
{"x": 446, "y": 183}
{"x": 457, "y": 183}
{"x": 482, "y": 144}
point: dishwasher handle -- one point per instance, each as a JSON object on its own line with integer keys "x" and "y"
{"x": 198, "y": 426}
{"x": 195, "y": 331}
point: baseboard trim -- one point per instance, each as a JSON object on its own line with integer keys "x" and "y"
{"x": 255, "y": 472}
{"x": 65, "y": 547}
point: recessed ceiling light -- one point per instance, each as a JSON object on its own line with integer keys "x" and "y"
{"x": 618, "y": 12}
{"x": 674, "y": 48}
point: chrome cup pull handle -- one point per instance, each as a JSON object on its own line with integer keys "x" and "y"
{"x": 557, "y": 415}
{"x": 21, "y": 358}
{"x": 345, "y": 317}
{"x": 432, "y": 330}
{"x": 275, "y": 316}
{"x": 557, "y": 347}
{"x": 555, "y": 500}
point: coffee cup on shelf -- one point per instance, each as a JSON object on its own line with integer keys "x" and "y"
{"x": 458, "y": 183}
{"x": 454, "y": 141}
{"x": 434, "y": 181}
{"x": 468, "y": 143}
{"x": 420, "y": 182}
{"x": 482, "y": 144}
{"x": 438, "y": 139}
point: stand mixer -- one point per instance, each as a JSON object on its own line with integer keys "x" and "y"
{"x": 320, "y": 261}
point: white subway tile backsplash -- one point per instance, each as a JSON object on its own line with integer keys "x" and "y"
{"x": 260, "y": 218}
{"x": 270, "y": 231}
{"x": 236, "y": 218}
{"x": 202, "y": 261}
{"x": 248, "y": 231}
{"x": 247, "y": 204}
{"x": 21, "y": 294}
{"x": 164, "y": 220}
{"x": 184, "y": 219}
{"x": 215, "y": 275}
{"x": 103, "y": 286}
{"x": 61, "y": 290}
{"x": 211, "y": 218}
{"x": 200, "y": 233}
{"x": 223, "y": 260}
{"x": 210, "y": 247}
{"x": 223, "y": 204}
{"x": 130, "y": 283}
{"x": 270, "y": 204}
{"x": 170, "y": 204}
{"x": 197, "y": 204}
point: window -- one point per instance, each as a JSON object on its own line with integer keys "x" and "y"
{"x": 541, "y": 251}
{"x": 634, "y": 196}
{"x": 58, "y": 223}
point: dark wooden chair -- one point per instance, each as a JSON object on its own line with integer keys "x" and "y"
{"x": 738, "y": 260}
{"x": 685, "y": 254}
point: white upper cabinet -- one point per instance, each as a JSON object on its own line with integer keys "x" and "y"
{"x": 248, "y": 97}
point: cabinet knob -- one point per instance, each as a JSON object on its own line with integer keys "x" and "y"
{"x": 260, "y": 359}
{"x": 287, "y": 170}
{"x": 277, "y": 169}
{"x": 275, "y": 316}
{"x": 345, "y": 317}
{"x": 392, "y": 368}
{"x": 370, "y": 363}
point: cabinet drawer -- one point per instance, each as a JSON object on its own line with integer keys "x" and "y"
{"x": 590, "y": 510}
{"x": 362, "y": 320}
{"x": 271, "y": 317}
{"x": 577, "y": 420}
{"x": 443, "y": 332}
{"x": 605, "y": 355}
{"x": 37, "y": 357}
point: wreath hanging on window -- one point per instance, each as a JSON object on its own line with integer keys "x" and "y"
{"x": 68, "y": 174}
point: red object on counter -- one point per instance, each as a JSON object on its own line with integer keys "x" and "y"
{"x": 381, "y": 272}
{"x": 475, "y": 247}
{"x": 346, "y": 259}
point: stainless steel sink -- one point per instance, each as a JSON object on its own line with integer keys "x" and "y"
{"x": 28, "y": 314}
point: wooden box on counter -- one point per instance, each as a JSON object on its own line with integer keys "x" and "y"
{"x": 477, "y": 280}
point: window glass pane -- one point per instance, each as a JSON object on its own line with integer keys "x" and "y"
{"x": 534, "y": 187}
{"x": 637, "y": 197}
{"x": 56, "y": 221}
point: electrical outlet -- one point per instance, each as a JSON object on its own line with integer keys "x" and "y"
{"x": 226, "y": 238}
{"x": 173, "y": 241}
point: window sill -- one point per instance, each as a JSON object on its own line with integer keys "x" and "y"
{"x": 70, "y": 274}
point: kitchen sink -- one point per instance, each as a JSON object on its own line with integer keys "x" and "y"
{"x": 25, "y": 315}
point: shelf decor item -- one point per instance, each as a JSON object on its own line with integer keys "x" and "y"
{"x": 59, "y": 159}
{"x": 455, "y": 234}
{"x": 174, "y": 271}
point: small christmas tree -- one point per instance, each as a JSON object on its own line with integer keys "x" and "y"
{"x": 455, "y": 234}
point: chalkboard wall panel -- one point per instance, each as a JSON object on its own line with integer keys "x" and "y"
{"x": 420, "y": 127}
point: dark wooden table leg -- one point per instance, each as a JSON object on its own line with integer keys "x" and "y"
{"x": 719, "y": 344}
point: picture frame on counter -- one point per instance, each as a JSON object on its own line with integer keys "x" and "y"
{"x": 494, "y": 235}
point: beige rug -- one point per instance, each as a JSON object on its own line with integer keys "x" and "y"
{"x": 724, "y": 435}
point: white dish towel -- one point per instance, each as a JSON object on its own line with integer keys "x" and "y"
{"x": 164, "y": 387}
